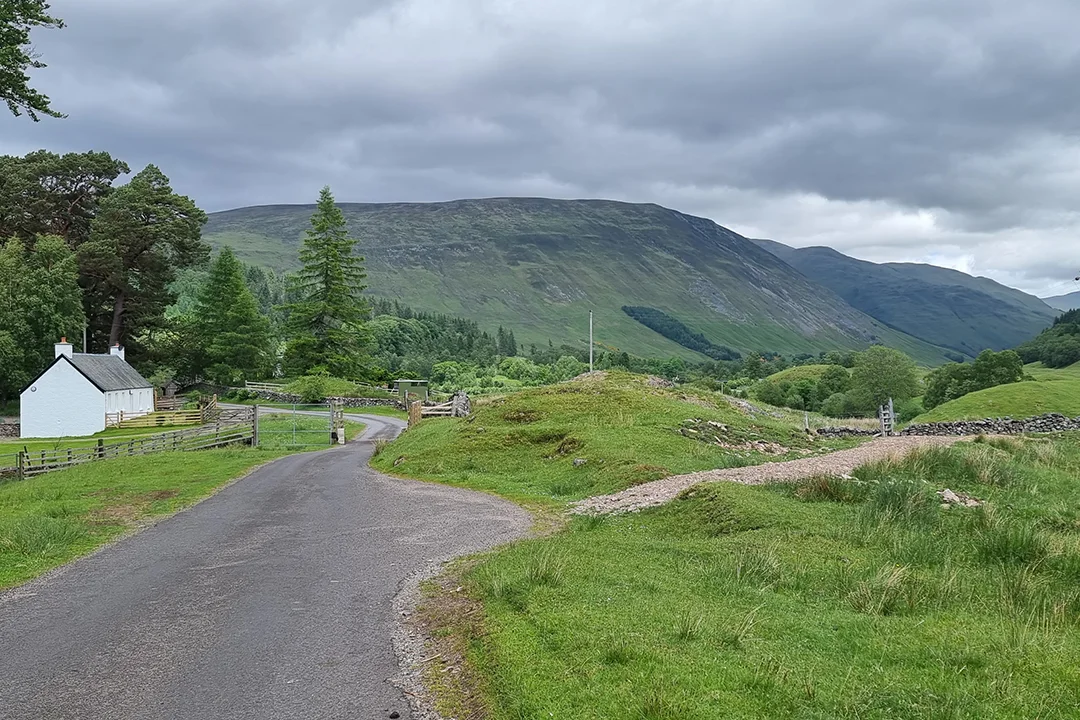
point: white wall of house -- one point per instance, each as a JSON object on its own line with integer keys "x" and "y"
{"x": 61, "y": 403}
{"x": 133, "y": 402}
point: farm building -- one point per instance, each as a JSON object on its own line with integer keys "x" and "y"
{"x": 73, "y": 395}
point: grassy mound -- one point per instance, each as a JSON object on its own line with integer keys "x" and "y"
{"x": 835, "y": 599}
{"x": 1018, "y": 400}
{"x": 800, "y": 372}
{"x": 525, "y": 445}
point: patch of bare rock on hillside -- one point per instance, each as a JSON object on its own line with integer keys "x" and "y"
{"x": 839, "y": 463}
{"x": 594, "y": 376}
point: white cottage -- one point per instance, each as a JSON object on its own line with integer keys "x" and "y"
{"x": 73, "y": 395}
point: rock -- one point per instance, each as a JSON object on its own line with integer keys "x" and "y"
{"x": 578, "y": 462}
{"x": 394, "y": 715}
{"x": 399, "y": 461}
{"x": 659, "y": 383}
{"x": 951, "y": 499}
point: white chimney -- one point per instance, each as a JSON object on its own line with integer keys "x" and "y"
{"x": 117, "y": 350}
{"x": 63, "y": 348}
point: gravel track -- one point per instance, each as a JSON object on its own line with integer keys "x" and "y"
{"x": 843, "y": 462}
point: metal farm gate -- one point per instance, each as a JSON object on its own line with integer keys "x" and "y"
{"x": 299, "y": 427}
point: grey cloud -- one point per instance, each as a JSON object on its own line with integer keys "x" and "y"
{"x": 892, "y": 129}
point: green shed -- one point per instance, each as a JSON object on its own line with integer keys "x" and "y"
{"x": 404, "y": 388}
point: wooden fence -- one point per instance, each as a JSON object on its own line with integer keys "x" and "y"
{"x": 264, "y": 387}
{"x": 201, "y": 438}
{"x": 169, "y": 403}
{"x": 202, "y": 416}
{"x": 459, "y": 406}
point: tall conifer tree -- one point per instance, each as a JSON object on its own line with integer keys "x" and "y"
{"x": 326, "y": 322}
{"x": 234, "y": 336}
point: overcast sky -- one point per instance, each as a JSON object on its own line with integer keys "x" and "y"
{"x": 944, "y": 131}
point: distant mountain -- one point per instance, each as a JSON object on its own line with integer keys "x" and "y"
{"x": 937, "y": 305}
{"x": 1064, "y": 302}
{"x": 538, "y": 266}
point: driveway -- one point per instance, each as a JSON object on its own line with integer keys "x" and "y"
{"x": 271, "y": 599}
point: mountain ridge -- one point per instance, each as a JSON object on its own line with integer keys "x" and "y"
{"x": 1071, "y": 301}
{"x": 939, "y": 305}
{"x": 538, "y": 266}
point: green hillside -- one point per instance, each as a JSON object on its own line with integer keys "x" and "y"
{"x": 1055, "y": 391}
{"x": 538, "y": 266}
{"x": 799, "y": 372}
{"x": 940, "y": 306}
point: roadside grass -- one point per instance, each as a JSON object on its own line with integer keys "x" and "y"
{"x": 48, "y": 520}
{"x": 838, "y": 598}
{"x": 51, "y": 519}
{"x": 524, "y": 445}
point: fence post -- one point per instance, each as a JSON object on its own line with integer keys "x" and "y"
{"x": 255, "y": 426}
{"x": 100, "y": 448}
{"x": 22, "y": 462}
{"x": 414, "y": 413}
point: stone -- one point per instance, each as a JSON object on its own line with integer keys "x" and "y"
{"x": 394, "y": 715}
{"x": 578, "y": 462}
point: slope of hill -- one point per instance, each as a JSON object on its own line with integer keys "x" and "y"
{"x": 1064, "y": 302}
{"x": 1054, "y": 390}
{"x": 937, "y": 305}
{"x": 539, "y": 266}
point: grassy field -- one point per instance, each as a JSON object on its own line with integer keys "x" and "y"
{"x": 839, "y": 599}
{"x": 1053, "y": 391}
{"x": 800, "y": 372}
{"x": 524, "y": 445}
{"x": 1041, "y": 372}
{"x": 50, "y": 519}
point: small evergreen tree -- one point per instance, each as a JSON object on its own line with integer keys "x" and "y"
{"x": 234, "y": 337}
{"x": 326, "y": 322}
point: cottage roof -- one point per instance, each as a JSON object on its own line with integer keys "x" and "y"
{"x": 109, "y": 372}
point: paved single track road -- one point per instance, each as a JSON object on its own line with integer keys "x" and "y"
{"x": 271, "y": 599}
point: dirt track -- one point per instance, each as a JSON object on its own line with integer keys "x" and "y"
{"x": 839, "y": 463}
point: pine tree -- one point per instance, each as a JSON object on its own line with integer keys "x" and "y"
{"x": 326, "y": 323}
{"x": 234, "y": 336}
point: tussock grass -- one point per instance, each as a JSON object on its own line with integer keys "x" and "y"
{"x": 853, "y": 599}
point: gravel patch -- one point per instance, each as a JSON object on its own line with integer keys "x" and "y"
{"x": 843, "y": 462}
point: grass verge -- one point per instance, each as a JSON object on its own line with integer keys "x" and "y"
{"x": 51, "y": 519}
{"x": 859, "y": 598}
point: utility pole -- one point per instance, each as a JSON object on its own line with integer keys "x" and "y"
{"x": 590, "y": 343}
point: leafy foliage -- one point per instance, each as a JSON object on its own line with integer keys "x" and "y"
{"x": 17, "y": 19}
{"x": 327, "y": 315}
{"x": 1058, "y": 346}
{"x": 955, "y": 380}
{"x": 673, "y": 329}
{"x": 881, "y": 373}
{"x": 39, "y": 303}
{"x": 141, "y": 234}
{"x": 233, "y": 337}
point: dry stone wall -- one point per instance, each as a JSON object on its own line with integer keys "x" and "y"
{"x": 351, "y": 402}
{"x": 9, "y": 430}
{"x": 1049, "y": 423}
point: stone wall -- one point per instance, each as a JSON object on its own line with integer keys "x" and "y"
{"x": 1051, "y": 422}
{"x": 9, "y": 430}
{"x": 287, "y": 398}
